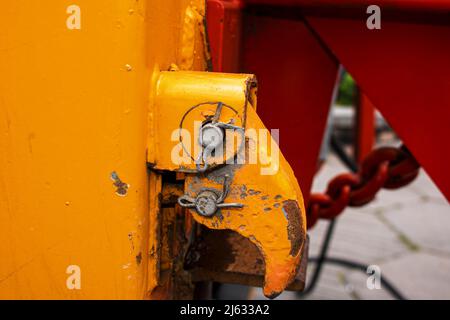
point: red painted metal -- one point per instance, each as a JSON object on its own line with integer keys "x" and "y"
{"x": 404, "y": 69}
{"x": 430, "y": 5}
{"x": 284, "y": 90}
{"x": 364, "y": 127}
{"x": 296, "y": 77}
{"x": 224, "y": 33}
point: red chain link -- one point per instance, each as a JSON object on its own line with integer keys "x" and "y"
{"x": 386, "y": 167}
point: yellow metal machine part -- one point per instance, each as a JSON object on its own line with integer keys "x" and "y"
{"x": 86, "y": 101}
{"x": 272, "y": 214}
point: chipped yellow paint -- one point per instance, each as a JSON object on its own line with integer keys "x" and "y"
{"x": 265, "y": 218}
{"x": 273, "y": 216}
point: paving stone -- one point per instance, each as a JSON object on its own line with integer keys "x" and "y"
{"x": 420, "y": 275}
{"x": 426, "y": 223}
{"x": 358, "y": 236}
{"x": 329, "y": 287}
{"x": 330, "y": 169}
{"x": 427, "y": 189}
{"x": 390, "y": 199}
{"x": 358, "y": 282}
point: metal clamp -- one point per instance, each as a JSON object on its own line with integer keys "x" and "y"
{"x": 208, "y": 200}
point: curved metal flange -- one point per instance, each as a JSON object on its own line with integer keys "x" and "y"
{"x": 272, "y": 215}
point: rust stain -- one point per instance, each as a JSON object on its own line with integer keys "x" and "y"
{"x": 253, "y": 192}
{"x": 139, "y": 258}
{"x": 121, "y": 187}
{"x": 243, "y": 192}
{"x": 295, "y": 226}
{"x": 171, "y": 193}
{"x": 130, "y": 237}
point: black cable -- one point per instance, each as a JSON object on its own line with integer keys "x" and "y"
{"x": 320, "y": 260}
{"x": 342, "y": 155}
{"x": 353, "y": 166}
{"x": 354, "y": 265}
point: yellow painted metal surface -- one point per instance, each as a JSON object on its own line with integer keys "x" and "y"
{"x": 176, "y": 97}
{"x": 73, "y": 104}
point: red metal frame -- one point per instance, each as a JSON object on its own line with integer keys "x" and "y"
{"x": 430, "y": 5}
{"x": 297, "y": 102}
{"x": 296, "y": 80}
{"x": 224, "y": 20}
{"x": 403, "y": 69}
{"x": 364, "y": 127}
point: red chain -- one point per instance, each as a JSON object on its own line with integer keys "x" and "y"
{"x": 386, "y": 167}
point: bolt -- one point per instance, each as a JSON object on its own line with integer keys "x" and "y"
{"x": 211, "y": 136}
{"x": 206, "y": 203}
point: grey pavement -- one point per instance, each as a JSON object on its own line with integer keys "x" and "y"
{"x": 406, "y": 233}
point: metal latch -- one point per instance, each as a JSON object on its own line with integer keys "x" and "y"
{"x": 208, "y": 200}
